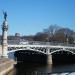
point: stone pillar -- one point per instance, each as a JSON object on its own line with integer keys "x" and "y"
{"x": 0, "y": 50}
{"x": 4, "y": 39}
{"x": 49, "y": 59}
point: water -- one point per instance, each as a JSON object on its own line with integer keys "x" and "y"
{"x": 37, "y": 69}
{"x": 42, "y": 69}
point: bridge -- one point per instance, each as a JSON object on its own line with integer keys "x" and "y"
{"x": 47, "y": 48}
{"x": 43, "y": 47}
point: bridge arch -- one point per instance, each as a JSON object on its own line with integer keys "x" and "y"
{"x": 63, "y": 50}
{"x": 29, "y": 56}
{"x": 63, "y": 56}
{"x": 38, "y": 51}
{"x": 11, "y": 53}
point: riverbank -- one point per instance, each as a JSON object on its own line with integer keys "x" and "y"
{"x": 6, "y": 65}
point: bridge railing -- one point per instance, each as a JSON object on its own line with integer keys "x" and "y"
{"x": 45, "y": 43}
{"x": 49, "y": 43}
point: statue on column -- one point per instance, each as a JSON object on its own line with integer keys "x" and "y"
{"x": 5, "y": 15}
{"x": 4, "y": 35}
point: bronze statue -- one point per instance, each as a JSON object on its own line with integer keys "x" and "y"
{"x": 5, "y": 15}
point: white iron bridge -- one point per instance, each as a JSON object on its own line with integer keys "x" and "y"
{"x": 42, "y": 48}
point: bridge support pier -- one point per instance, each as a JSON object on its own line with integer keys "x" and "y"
{"x": 49, "y": 59}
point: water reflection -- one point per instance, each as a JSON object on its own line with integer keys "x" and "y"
{"x": 31, "y": 69}
{"x": 41, "y": 69}
{"x": 24, "y": 68}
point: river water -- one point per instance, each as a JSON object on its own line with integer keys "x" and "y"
{"x": 23, "y": 68}
{"x": 34, "y": 69}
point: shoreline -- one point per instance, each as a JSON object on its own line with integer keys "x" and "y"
{"x": 5, "y": 72}
{"x": 6, "y": 65}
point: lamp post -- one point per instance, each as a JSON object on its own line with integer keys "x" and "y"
{"x": 67, "y": 39}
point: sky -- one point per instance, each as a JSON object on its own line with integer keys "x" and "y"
{"x": 28, "y": 17}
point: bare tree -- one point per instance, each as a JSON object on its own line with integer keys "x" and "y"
{"x": 51, "y": 29}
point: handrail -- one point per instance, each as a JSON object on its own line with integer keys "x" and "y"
{"x": 44, "y": 43}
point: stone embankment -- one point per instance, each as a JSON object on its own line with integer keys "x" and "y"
{"x": 6, "y": 65}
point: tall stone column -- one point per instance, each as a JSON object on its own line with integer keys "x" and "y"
{"x": 4, "y": 37}
{"x": 0, "y": 51}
